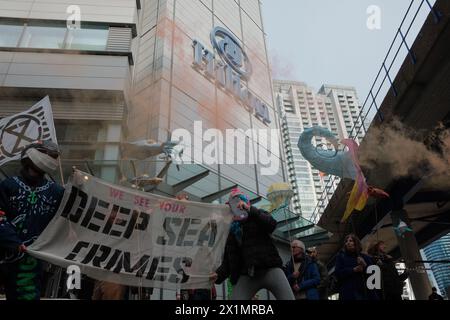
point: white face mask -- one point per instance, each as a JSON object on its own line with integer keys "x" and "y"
{"x": 42, "y": 161}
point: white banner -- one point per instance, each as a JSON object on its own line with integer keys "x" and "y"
{"x": 134, "y": 238}
{"x": 21, "y": 129}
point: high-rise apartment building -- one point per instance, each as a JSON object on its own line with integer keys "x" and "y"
{"x": 438, "y": 256}
{"x": 336, "y": 108}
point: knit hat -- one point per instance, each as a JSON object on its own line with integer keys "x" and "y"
{"x": 236, "y": 192}
{"x": 300, "y": 244}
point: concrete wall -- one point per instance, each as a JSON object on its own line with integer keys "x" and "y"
{"x": 63, "y": 71}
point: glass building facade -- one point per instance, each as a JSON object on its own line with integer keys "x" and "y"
{"x": 169, "y": 93}
{"x": 438, "y": 257}
{"x": 128, "y": 74}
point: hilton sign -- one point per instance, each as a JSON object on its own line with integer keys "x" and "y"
{"x": 231, "y": 71}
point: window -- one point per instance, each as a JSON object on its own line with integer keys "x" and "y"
{"x": 79, "y": 154}
{"x": 10, "y": 34}
{"x": 43, "y": 37}
{"x": 53, "y": 35}
{"x": 88, "y": 38}
{"x": 75, "y": 132}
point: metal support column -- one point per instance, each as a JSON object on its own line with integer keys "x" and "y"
{"x": 410, "y": 252}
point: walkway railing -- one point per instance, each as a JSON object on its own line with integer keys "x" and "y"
{"x": 384, "y": 73}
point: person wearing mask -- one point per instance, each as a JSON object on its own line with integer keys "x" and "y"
{"x": 351, "y": 266}
{"x": 28, "y": 203}
{"x": 251, "y": 260}
{"x": 392, "y": 283}
{"x": 302, "y": 273}
{"x": 323, "y": 271}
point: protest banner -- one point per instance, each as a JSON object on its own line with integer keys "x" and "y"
{"x": 133, "y": 238}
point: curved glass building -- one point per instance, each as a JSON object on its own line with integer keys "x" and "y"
{"x": 438, "y": 252}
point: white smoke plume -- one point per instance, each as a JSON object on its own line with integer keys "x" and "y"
{"x": 408, "y": 152}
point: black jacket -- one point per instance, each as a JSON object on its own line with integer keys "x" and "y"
{"x": 392, "y": 283}
{"x": 324, "y": 280}
{"x": 352, "y": 285}
{"x": 435, "y": 296}
{"x": 256, "y": 250}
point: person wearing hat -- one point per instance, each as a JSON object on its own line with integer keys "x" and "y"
{"x": 302, "y": 273}
{"x": 251, "y": 260}
{"x": 28, "y": 202}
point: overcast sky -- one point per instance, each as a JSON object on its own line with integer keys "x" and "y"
{"x": 328, "y": 41}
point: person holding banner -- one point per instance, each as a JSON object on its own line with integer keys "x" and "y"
{"x": 28, "y": 202}
{"x": 251, "y": 260}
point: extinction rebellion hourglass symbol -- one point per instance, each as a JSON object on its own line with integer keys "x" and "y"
{"x": 21, "y": 131}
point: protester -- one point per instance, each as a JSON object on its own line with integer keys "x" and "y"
{"x": 391, "y": 282}
{"x": 322, "y": 288}
{"x": 435, "y": 295}
{"x": 351, "y": 266}
{"x": 302, "y": 273}
{"x": 251, "y": 259}
{"x": 28, "y": 202}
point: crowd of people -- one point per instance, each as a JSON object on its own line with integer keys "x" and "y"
{"x": 252, "y": 263}
{"x": 251, "y": 260}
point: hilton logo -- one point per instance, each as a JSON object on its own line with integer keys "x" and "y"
{"x": 231, "y": 51}
{"x": 231, "y": 71}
